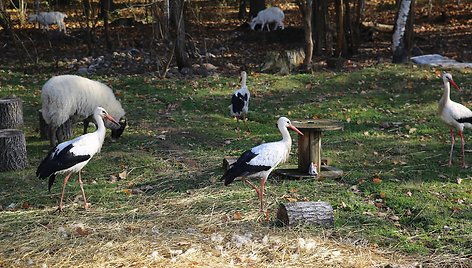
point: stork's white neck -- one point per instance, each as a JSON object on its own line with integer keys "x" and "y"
{"x": 285, "y": 136}
{"x": 447, "y": 89}
{"x": 243, "y": 80}
{"x": 100, "y": 128}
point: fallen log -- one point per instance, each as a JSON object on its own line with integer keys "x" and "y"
{"x": 318, "y": 213}
{"x": 11, "y": 113}
{"x": 12, "y": 150}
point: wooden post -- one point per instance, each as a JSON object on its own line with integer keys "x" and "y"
{"x": 12, "y": 150}
{"x": 303, "y": 150}
{"x": 318, "y": 213}
{"x": 11, "y": 113}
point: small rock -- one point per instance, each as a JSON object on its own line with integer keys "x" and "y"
{"x": 209, "y": 67}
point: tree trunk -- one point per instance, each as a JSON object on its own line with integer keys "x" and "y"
{"x": 88, "y": 36}
{"x": 255, "y": 6}
{"x": 403, "y": 31}
{"x": 318, "y": 213}
{"x": 11, "y": 113}
{"x": 242, "y": 13}
{"x": 306, "y": 8}
{"x": 356, "y": 29}
{"x": 340, "y": 41}
{"x": 13, "y": 154}
{"x": 106, "y": 7}
{"x": 320, "y": 27}
{"x": 180, "y": 52}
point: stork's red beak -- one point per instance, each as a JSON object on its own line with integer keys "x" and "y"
{"x": 454, "y": 84}
{"x": 111, "y": 119}
{"x": 295, "y": 129}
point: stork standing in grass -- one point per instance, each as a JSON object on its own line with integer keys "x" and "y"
{"x": 71, "y": 156}
{"x": 240, "y": 100}
{"x": 454, "y": 114}
{"x": 259, "y": 161}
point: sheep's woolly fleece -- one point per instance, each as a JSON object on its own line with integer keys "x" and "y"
{"x": 48, "y": 18}
{"x": 67, "y": 96}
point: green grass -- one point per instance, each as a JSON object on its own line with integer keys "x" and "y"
{"x": 418, "y": 208}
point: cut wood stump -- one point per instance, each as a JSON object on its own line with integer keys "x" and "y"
{"x": 318, "y": 213}
{"x": 11, "y": 113}
{"x": 12, "y": 150}
{"x": 64, "y": 132}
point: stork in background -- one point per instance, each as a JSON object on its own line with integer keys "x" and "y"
{"x": 71, "y": 156}
{"x": 259, "y": 161}
{"x": 454, "y": 114}
{"x": 240, "y": 101}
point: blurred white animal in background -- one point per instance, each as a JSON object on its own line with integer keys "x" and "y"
{"x": 49, "y": 18}
{"x": 268, "y": 16}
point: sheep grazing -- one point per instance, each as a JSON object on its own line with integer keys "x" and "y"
{"x": 74, "y": 97}
{"x": 268, "y": 16}
{"x": 49, "y": 18}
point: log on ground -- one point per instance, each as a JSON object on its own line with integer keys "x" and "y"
{"x": 11, "y": 113}
{"x": 13, "y": 154}
{"x": 317, "y": 213}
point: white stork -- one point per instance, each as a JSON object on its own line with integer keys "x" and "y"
{"x": 240, "y": 100}
{"x": 262, "y": 159}
{"x": 454, "y": 114}
{"x": 71, "y": 156}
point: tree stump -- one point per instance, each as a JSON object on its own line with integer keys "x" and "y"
{"x": 318, "y": 213}
{"x": 11, "y": 113}
{"x": 12, "y": 150}
{"x": 64, "y": 132}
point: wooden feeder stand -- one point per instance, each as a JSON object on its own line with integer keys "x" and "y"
{"x": 309, "y": 149}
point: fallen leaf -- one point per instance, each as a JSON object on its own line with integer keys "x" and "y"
{"x": 237, "y": 215}
{"x": 376, "y": 180}
{"x": 408, "y": 193}
{"x": 122, "y": 175}
{"x": 394, "y": 218}
{"x": 82, "y": 231}
{"x": 113, "y": 178}
{"x": 378, "y": 205}
{"x": 459, "y": 180}
{"x": 25, "y": 205}
{"x": 291, "y": 199}
{"x": 127, "y": 191}
{"x": 225, "y": 218}
{"x": 382, "y": 194}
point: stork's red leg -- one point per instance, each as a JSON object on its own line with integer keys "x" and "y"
{"x": 261, "y": 195}
{"x": 253, "y": 186}
{"x": 86, "y": 205}
{"x": 452, "y": 146}
{"x": 63, "y": 190}
{"x": 463, "y": 154}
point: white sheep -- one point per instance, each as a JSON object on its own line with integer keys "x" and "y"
{"x": 267, "y": 16}
{"x": 74, "y": 97}
{"x": 48, "y": 18}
